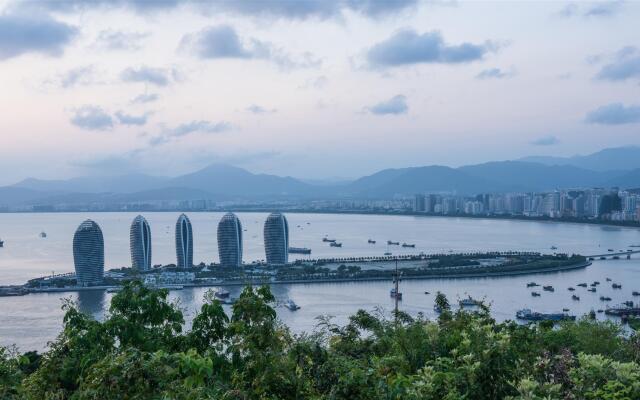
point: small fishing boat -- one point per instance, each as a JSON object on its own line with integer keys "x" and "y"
{"x": 635, "y": 293}
{"x": 222, "y": 294}
{"x": 591, "y": 290}
{"x": 605, "y": 298}
{"x": 582, "y": 284}
{"x": 327, "y": 240}
{"x": 470, "y": 302}
{"x": 548, "y": 288}
{"x": 390, "y": 243}
{"x": 43, "y": 234}
{"x": 535, "y": 294}
{"x": 532, "y": 284}
{"x": 335, "y": 244}
{"x": 395, "y": 294}
{"x": 408, "y": 245}
{"x": 608, "y": 279}
{"x": 616, "y": 286}
{"x": 291, "y": 305}
{"x": 387, "y": 254}
{"x": 371, "y": 241}
{"x": 576, "y": 298}
{"x": 426, "y": 292}
{"x": 571, "y": 289}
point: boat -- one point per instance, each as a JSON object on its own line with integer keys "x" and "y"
{"x": 335, "y": 244}
{"x": 395, "y": 294}
{"x": 548, "y": 288}
{"x": 608, "y": 279}
{"x": 532, "y": 284}
{"x": 616, "y": 286}
{"x": 628, "y": 303}
{"x": 222, "y": 294}
{"x": 528, "y": 315}
{"x": 605, "y": 298}
{"x": 437, "y": 308}
{"x": 574, "y": 297}
{"x": 596, "y": 282}
{"x": 327, "y": 240}
{"x": 622, "y": 311}
{"x": 43, "y": 234}
{"x": 603, "y": 258}
{"x": 371, "y": 241}
{"x": 554, "y": 248}
{"x": 582, "y": 284}
{"x": 299, "y": 250}
{"x": 114, "y": 289}
{"x": 611, "y": 250}
{"x": 390, "y": 243}
{"x": 1, "y": 243}
{"x": 571, "y": 289}
{"x": 593, "y": 285}
{"x": 616, "y": 257}
{"x": 291, "y": 305}
{"x": 426, "y": 292}
{"x": 387, "y": 254}
{"x": 470, "y": 302}
{"x": 535, "y": 294}
{"x": 408, "y": 245}
{"x": 591, "y": 290}
{"x": 635, "y": 293}
{"x": 565, "y": 310}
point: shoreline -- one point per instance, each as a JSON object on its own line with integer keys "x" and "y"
{"x": 341, "y": 280}
{"x": 618, "y": 224}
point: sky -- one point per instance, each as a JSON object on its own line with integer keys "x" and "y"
{"x": 311, "y": 88}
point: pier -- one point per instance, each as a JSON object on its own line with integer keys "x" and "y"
{"x": 627, "y": 253}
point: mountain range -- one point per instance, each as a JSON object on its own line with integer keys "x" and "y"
{"x": 606, "y": 168}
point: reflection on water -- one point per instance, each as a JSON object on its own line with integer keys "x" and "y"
{"x": 92, "y": 302}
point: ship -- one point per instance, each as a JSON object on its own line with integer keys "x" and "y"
{"x": 528, "y": 315}
{"x": 335, "y": 244}
{"x": 291, "y": 305}
{"x": 408, "y": 245}
{"x": 327, "y": 240}
{"x": 548, "y": 288}
{"x": 532, "y": 284}
{"x": 470, "y": 302}
{"x": 371, "y": 241}
{"x": 390, "y": 243}
{"x": 299, "y": 250}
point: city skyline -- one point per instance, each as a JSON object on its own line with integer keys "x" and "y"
{"x": 404, "y": 83}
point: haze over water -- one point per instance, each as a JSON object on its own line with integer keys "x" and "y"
{"x": 26, "y": 255}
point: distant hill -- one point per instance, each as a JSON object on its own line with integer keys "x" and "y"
{"x": 617, "y": 158}
{"x": 607, "y": 168}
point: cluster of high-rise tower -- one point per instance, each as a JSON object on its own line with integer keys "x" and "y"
{"x": 88, "y": 245}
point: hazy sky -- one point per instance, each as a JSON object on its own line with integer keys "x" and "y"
{"x": 310, "y": 88}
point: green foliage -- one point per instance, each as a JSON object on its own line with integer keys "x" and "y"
{"x": 140, "y": 351}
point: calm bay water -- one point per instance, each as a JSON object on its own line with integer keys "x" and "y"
{"x": 30, "y": 321}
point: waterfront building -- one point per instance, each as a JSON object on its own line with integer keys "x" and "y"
{"x": 140, "y": 244}
{"x": 88, "y": 253}
{"x": 276, "y": 239}
{"x": 230, "y": 241}
{"x": 184, "y": 242}
{"x": 419, "y": 203}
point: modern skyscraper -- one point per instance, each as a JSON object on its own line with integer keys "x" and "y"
{"x": 140, "y": 244}
{"x": 276, "y": 239}
{"x": 184, "y": 242}
{"x": 230, "y": 241}
{"x": 88, "y": 253}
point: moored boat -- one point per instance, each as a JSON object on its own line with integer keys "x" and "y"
{"x": 528, "y": 315}
{"x": 291, "y": 305}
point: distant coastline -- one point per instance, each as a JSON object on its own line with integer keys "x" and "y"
{"x": 566, "y": 220}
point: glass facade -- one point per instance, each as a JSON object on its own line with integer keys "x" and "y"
{"x": 88, "y": 253}
{"x": 230, "y": 241}
{"x": 276, "y": 239}
{"x": 184, "y": 242}
{"x": 140, "y": 244}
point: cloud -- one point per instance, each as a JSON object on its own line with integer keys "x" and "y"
{"x": 256, "y": 109}
{"x": 126, "y": 119}
{"x": 625, "y": 65}
{"x": 80, "y": 76}
{"x": 614, "y": 114}
{"x": 189, "y": 128}
{"x": 21, "y": 34}
{"x": 92, "y": 118}
{"x": 223, "y": 42}
{"x": 119, "y": 40}
{"x": 299, "y": 9}
{"x": 495, "y": 73}
{"x": 154, "y": 76}
{"x": 409, "y": 47}
{"x": 145, "y": 98}
{"x": 549, "y": 140}
{"x": 595, "y": 10}
{"x": 395, "y": 105}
